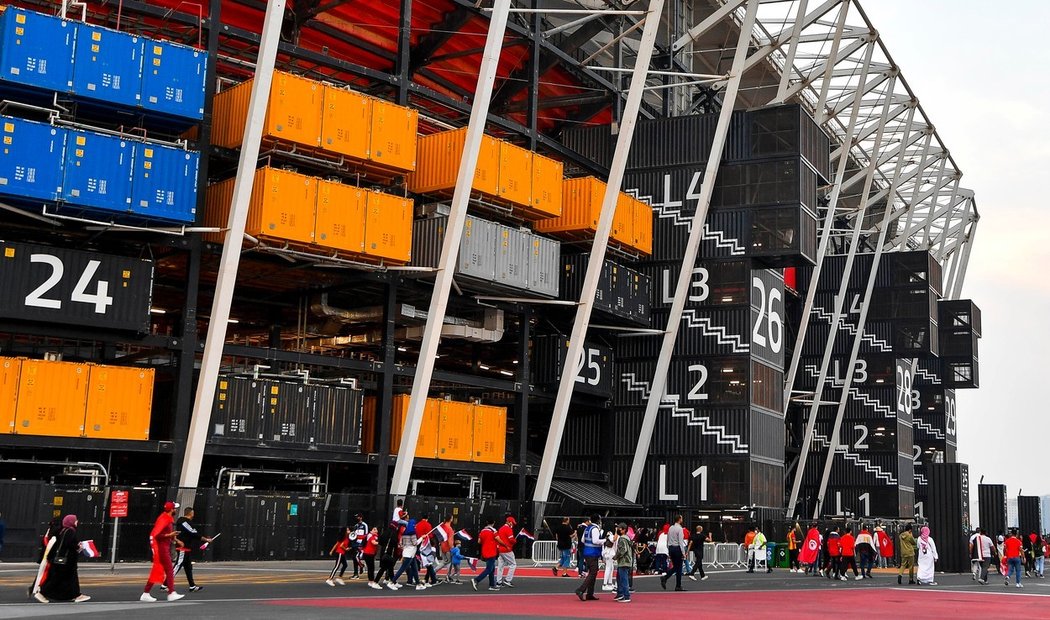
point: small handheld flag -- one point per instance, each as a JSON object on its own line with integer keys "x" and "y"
{"x": 463, "y": 534}
{"x": 472, "y": 563}
{"x": 205, "y": 545}
{"x": 524, "y": 533}
{"x": 88, "y": 548}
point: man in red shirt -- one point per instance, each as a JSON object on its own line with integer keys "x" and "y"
{"x": 487, "y": 543}
{"x": 505, "y": 545}
{"x": 1012, "y": 550}
{"x": 835, "y": 554}
{"x": 161, "y": 537}
{"x": 847, "y": 544}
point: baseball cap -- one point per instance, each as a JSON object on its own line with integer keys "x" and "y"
{"x": 170, "y": 505}
{"x": 512, "y": 520}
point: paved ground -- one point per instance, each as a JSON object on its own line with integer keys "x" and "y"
{"x": 263, "y": 590}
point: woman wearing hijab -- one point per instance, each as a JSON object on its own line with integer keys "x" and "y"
{"x": 61, "y": 582}
{"x": 927, "y": 550}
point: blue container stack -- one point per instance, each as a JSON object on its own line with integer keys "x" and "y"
{"x": 164, "y": 182}
{"x": 97, "y": 171}
{"x": 36, "y": 50}
{"x": 31, "y": 159}
{"x": 107, "y": 65}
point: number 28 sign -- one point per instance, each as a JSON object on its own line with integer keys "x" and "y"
{"x": 59, "y": 285}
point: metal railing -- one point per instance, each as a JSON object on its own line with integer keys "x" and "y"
{"x": 545, "y": 552}
{"x": 728, "y": 555}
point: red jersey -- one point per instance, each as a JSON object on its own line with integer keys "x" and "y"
{"x": 1012, "y": 547}
{"x": 164, "y": 525}
{"x": 846, "y": 542}
{"x": 371, "y": 544}
{"x": 446, "y": 546}
{"x": 423, "y": 528}
{"x": 487, "y": 541}
{"x": 506, "y": 534}
{"x": 834, "y": 545}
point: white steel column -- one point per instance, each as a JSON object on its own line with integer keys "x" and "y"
{"x": 858, "y": 224}
{"x": 696, "y": 235}
{"x": 231, "y": 250}
{"x": 964, "y": 261}
{"x": 449, "y": 249}
{"x": 597, "y": 257}
{"x": 811, "y": 293}
{"x": 789, "y": 62}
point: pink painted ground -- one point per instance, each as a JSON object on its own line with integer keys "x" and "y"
{"x": 781, "y": 605}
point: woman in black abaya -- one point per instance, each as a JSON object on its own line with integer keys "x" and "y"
{"x": 62, "y": 583}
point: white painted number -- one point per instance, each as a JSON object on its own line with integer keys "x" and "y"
{"x": 917, "y": 454}
{"x": 919, "y": 510}
{"x": 950, "y": 422}
{"x": 595, "y": 375}
{"x": 865, "y": 499}
{"x": 861, "y": 443}
{"x": 99, "y": 298}
{"x": 701, "y": 473}
{"x": 36, "y": 298}
{"x": 860, "y": 371}
{"x": 906, "y": 397}
{"x": 775, "y": 325}
{"x": 697, "y": 392}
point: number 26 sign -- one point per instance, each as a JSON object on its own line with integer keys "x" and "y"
{"x": 60, "y": 285}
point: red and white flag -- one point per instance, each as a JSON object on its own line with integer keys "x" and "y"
{"x": 524, "y": 533}
{"x": 441, "y": 534}
{"x": 810, "y": 548}
{"x": 88, "y": 548}
{"x": 472, "y": 563}
{"x": 464, "y": 535}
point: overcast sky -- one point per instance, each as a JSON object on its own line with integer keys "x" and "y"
{"x": 981, "y": 74}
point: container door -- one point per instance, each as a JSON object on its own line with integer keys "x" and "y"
{"x": 340, "y": 220}
{"x": 97, "y": 172}
{"x": 393, "y": 136}
{"x": 31, "y": 159}
{"x": 164, "y": 185}
{"x": 37, "y": 50}
{"x": 388, "y": 227}
{"x": 295, "y": 110}
{"x": 10, "y": 368}
{"x": 546, "y": 186}
{"x": 455, "y": 430}
{"x": 515, "y": 174}
{"x": 347, "y": 121}
{"x": 173, "y": 78}
{"x": 283, "y": 205}
{"x": 107, "y": 65}
{"x": 119, "y": 402}
{"x": 51, "y": 398}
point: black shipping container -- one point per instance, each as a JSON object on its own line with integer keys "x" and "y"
{"x": 788, "y": 130}
{"x": 991, "y": 507}
{"x": 633, "y": 382}
{"x": 699, "y": 481}
{"x": 237, "y": 411}
{"x": 595, "y": 375}
{"x": 694, "y": 431}
{"x": 1029, "y": 514}
{"x": 947, "y": 507}
{"x": 702, "y": 332}
{"x": 767, "y": 483}
{"x": 582, "y": 436}
{"x": 959, "y": 314}
{"x": 770, "y": 183}
{"x": 287, "y": 414}
{"x": 767, "y": 435}
{"x": 709, "y": 381}
{"x": 885, "y": 501}
{"x": 337, "y": 412}
{"x": 622, "y": 293}
{"x": 960, "y": 372}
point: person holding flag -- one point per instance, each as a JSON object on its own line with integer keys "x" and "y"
{"x": 489, "y": 553}
{"x": 505, "y": 541}
{"x": 61, "y": 580}
{"x": 188, "y": 543}
{"x": 161, "y": 537}
{"x": 444, "y": 534}
{"x": 809, "y": 554}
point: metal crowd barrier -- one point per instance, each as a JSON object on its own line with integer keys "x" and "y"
{"x": 545, "y": 552}
{"x": 710, "y": 549}
{"x": 726, "y": 555}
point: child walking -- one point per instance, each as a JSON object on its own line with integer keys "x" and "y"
{"x": 339, "y": 550}
{"x": 456, "y": 557}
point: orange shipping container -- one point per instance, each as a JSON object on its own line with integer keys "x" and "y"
{"x": 119, "y": 402}
{"x": 643, "y": 227}
{"x": 427, "y": 442}
{"x": 341, "y": 211}
{"x": 368, "y": 426}
{"x": 438, "y": 163}
{"x": 515, "y": 174}
{"x": 346, "y": 123}
{"x": 394, "y": 136}
{"x": 490, "y": 434}
{"x": 547, "y": 177}
{"x": 51, "y": 398}
{"x": 293, "y": 114}
{"x": 9, "y": 369}
{"x": 388, "y": 227}
{"x": 623, "y": 221}
{"x": 282, "y": 206}
{"x": 455, "y": 431}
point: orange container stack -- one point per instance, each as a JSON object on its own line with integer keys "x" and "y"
{"x": 51, "y": 398}
{"x": 451, "y": 430}
{"x": 581, "y": 207}
{"x": 9, "y": 371}
{"x": 119, "y": 402}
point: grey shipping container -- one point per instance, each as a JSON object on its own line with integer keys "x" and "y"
{"x": 948, "y": 509}
{"x": 544, "y": 266}
{"x": 337, "y": 411}
{"x": 512, "y": 256}
{"x": 477, "y": 256}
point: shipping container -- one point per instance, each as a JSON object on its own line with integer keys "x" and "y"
{"x": 10, "y": 367}
{"x": 97, "y": 171}
{"x": 287, "y": 415}
{"x": 767, "y": 435}
{"x": 544, "y": 266}
{"x": 31, "y": 159}
{"x": 1029, "y": 514}
{"x": 958, "y": 314}
{"x": 547, "y": 177}
{"x": 513, "y": 250}
{"x": 36, "y": 50}
{"x": 948, "y": 510}
{"x": 438, "y": 160}
{"x": 581, "y": 207}
{"x": 695, "y": 481}
{"x": 119, "y": 402}
{"x": 369, "y": 443}
{"x": 173, "y": 80}
{"x": 282, "y": 206}
{"x": 477, "y": 249}
{"x": 164, "y": 183}
{"x": 490, "y": 434}
{"x": 594, "y": 376}
{"x": 393, "y": 142}
{"x": 593, "y": 142}
{"x": 703, "y": 332}
{"x": 583, "y": 436}
{"x": 691, "y": 431}
{"x": 783, "y": 237}
{"x": 346, "y": 127}
{"x": 337, "y": 413}
{"x": 622, "y": 293}
{"x": 515, "y": 174}
{"x": 340, "y": 220}
{"x": 293, "y": 115}
{"x": 455, "y": 432}
{"x": 992, "y": 508}
{"x": 388, "y": 227}
{"x": 51, "y": 398}
{"x": 708, "y": 381}
{"x": 107, "y": 65}
{"x": 427, "y": 442}
{"x": 237, "y": 411}
{"x": 788, "y": 130}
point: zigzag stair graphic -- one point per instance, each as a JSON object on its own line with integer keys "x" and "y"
{"x": 717, "y": 332}
{"x": 929, "y": 376}
{"x": 857, "y": 460}
{"x": 868, "y": 337}
{"x": 857, "y": 395}
{"x": 936, "y": 432}
{"x": 719, "y": 237}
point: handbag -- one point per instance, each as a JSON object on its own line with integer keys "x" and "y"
{"x": 60, "y": 559}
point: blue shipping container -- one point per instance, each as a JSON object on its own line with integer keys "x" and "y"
{"x": 98, "y": 171}
{"x": 107, "y": 65}
{"x": 173, "y": 79}
{"x": 36, "y": 50}
{"x": 31, "y": 159}
{"x": 164, "y": 184}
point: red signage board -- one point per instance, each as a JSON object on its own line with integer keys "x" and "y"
{"x": 118, "y": 504}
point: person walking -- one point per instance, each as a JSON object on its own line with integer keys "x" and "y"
{"x": 696, "y": 544}
{"x": 507, "y": 564}
{"x": 368, "y": 556}
{"x": 865, "y": 548}
{"x": 809, "y": 555}
{"x": 61, "y": 580}
{"x": 884, "y": 545}
{"x": 47, "y": 542}
{"x": 609, "y": 579}
{"x": 760, "y": 544}
{"x": 927, "y": 558}
{"x": 660, "y": 560}
{"x": 676, "y": 554}
{"x": 358, "y": 534}
{"x": 489, "y": 553}
{"x": 409, "y": 548}
{"x": 907, "y": 544}
{"x": 592, "y": 550}
{"x": 794, "y": 537}
{"x": 624, "y": 559}
{"x": 190, "y": 541}
{"x": 161, "y": 538}
{"x": 749, "y": 540}
{"x": 1012, "y": 550}
{"x": 388, "y": 540}
{"x": 981, "y": 552}
{"x": 848, "y": 545}
{"x": 566, "y": 537}
{"x": 339, "y": 550}
{"x": 455, "y": 559}
{"x": 1039, "y": 552}
{"x": 834, "y": 545}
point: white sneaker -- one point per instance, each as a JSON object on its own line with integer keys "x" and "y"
{"x": 693, "y": 577}
{"x": 330, "y": 582}
{"x": 843, "y": 578}
{"x": 391, "y": 586}
{"x": 421, "y": 587}
{"x": 174, "y": 596}
{"x": 374, "y": 585}
{"x": 340, "y": 581}
{"x": 83, "y": 598}
{"x": 1019, "y": 586}
{"x": 43, "y": 599}
{"x": 146, "y": 598}
{"x": 858, "y": 578}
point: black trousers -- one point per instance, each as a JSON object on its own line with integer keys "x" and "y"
{"x": 587, "y": 587}
{"x": 698, "y": 565}
{"x": 848, "y": 561}
{"x": 676, "y": 559}
{"x": 184, "y": 561}
{"x": 370, "y": 562}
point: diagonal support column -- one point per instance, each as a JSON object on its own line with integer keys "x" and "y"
{"x": 696, "y": 235}
{"x": 231, "y": 250}
{"x": 449, "y": 249}
{"x": 594, "y": 265}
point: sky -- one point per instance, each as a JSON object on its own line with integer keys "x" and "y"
{"x": 981, "y": 75}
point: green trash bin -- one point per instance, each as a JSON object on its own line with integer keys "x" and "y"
{"x": 782, "y": 559}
